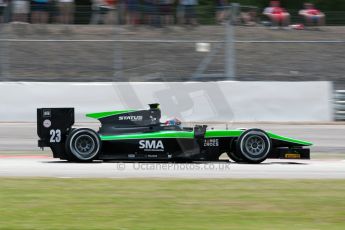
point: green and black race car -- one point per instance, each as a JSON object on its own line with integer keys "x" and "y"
{"x": 139, "y": 135}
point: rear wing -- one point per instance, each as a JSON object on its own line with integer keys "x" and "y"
{"x": 53, "y": 126}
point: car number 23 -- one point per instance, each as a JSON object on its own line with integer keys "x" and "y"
{"x": 55, "y": 136}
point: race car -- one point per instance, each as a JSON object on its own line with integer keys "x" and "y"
{"x": 139, "y": 135}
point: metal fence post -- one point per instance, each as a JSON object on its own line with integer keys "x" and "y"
{"x": 230, "y": 65}
{"x": 117, "y": 64}
{"x": 4, "y": 60}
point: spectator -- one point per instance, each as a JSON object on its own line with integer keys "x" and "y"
{"x": 133, "y": 9}
{"x": 277, "y": 14}
{"x": 3, "y": 6}
{"x": 221, "y": 11}
{"x": 103, "y": 11}
{"x": 312, "y": 15}
{"x": 156, "y": 13}
{"x": 249, "y": 18}
{"x": 96, "y": 14}
{"x": 54, "y": 11}
{"x": 40, "y": 11}
{"x": 111, "y": 16}
{"x": 151, "y": 12}
{"x": 148, "y": 8}
{"x": 66, "y": 11}
{"x": 20, "y": 10}
{"x": 166, "y": 8}
{"x": 180, "y": 13}
{"x": 121, "y": 11}
{"x": 189, "y": 11}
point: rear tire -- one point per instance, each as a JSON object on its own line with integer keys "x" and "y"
{"x": 83, "y": 145}
{"x": 253, "y": 146}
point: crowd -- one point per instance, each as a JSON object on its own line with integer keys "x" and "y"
{"x": 281, "y": 17}
{"x": 103, "y": 11}
{"x": 152, "y": 12}
{"x": 37, "y": 11}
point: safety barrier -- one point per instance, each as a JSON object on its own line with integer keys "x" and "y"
{"x": 339, "y": 105}
{"x": 189, "y": 101}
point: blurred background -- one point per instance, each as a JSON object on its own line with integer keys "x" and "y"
{"x": 171, "y": 41}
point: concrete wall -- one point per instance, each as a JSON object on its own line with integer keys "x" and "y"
{"x": 189, "y": 101}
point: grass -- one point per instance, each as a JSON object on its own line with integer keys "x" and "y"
{"x": 39, "y": 203}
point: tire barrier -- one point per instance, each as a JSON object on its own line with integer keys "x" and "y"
{"x": 339, "y": 105}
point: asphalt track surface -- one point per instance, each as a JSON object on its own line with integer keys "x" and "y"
{"x": 42, "y": 166}
{"x": 327, "y": 139}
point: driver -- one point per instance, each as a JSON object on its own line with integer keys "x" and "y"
{"x": 173, "y": 122}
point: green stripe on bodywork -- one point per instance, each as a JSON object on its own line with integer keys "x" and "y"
{"x": 173, "y": 134}
{"x": 107, "y": 114}
{"x": 190, "y": 134}
{"x": 287, "y": 139}
{"x": 223, "y": 133}
{"x": 161, "y": 134}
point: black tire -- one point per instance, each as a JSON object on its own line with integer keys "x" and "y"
{"x": 232, "y": 153}
{"x": 233, "y": 156}
{"x": 253, "y": 146}
{"x": 83, "y": 145}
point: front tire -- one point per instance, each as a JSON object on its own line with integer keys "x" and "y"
{"x": 232, "y": 154}
{"x": 234, "y": 157}
{"x": 253, "y": 146}
{"x": 83, "y": 145}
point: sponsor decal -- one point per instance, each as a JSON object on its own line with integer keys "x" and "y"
{"x": 153, "y": 119}
{"x": 211, "y": 142}
{"x": 46, "y": 113}
{"x": 292, "y": 156}
{"x": 130, "y": 118}
{"x": 151, "y": 145}
{"x": 47, "y": 123}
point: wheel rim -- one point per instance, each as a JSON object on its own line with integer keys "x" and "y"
{"x": 255, "y": 145}
{"x": 84, "y": 146}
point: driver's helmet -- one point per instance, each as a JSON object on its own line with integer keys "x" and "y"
{"x": 173, "y": 121}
